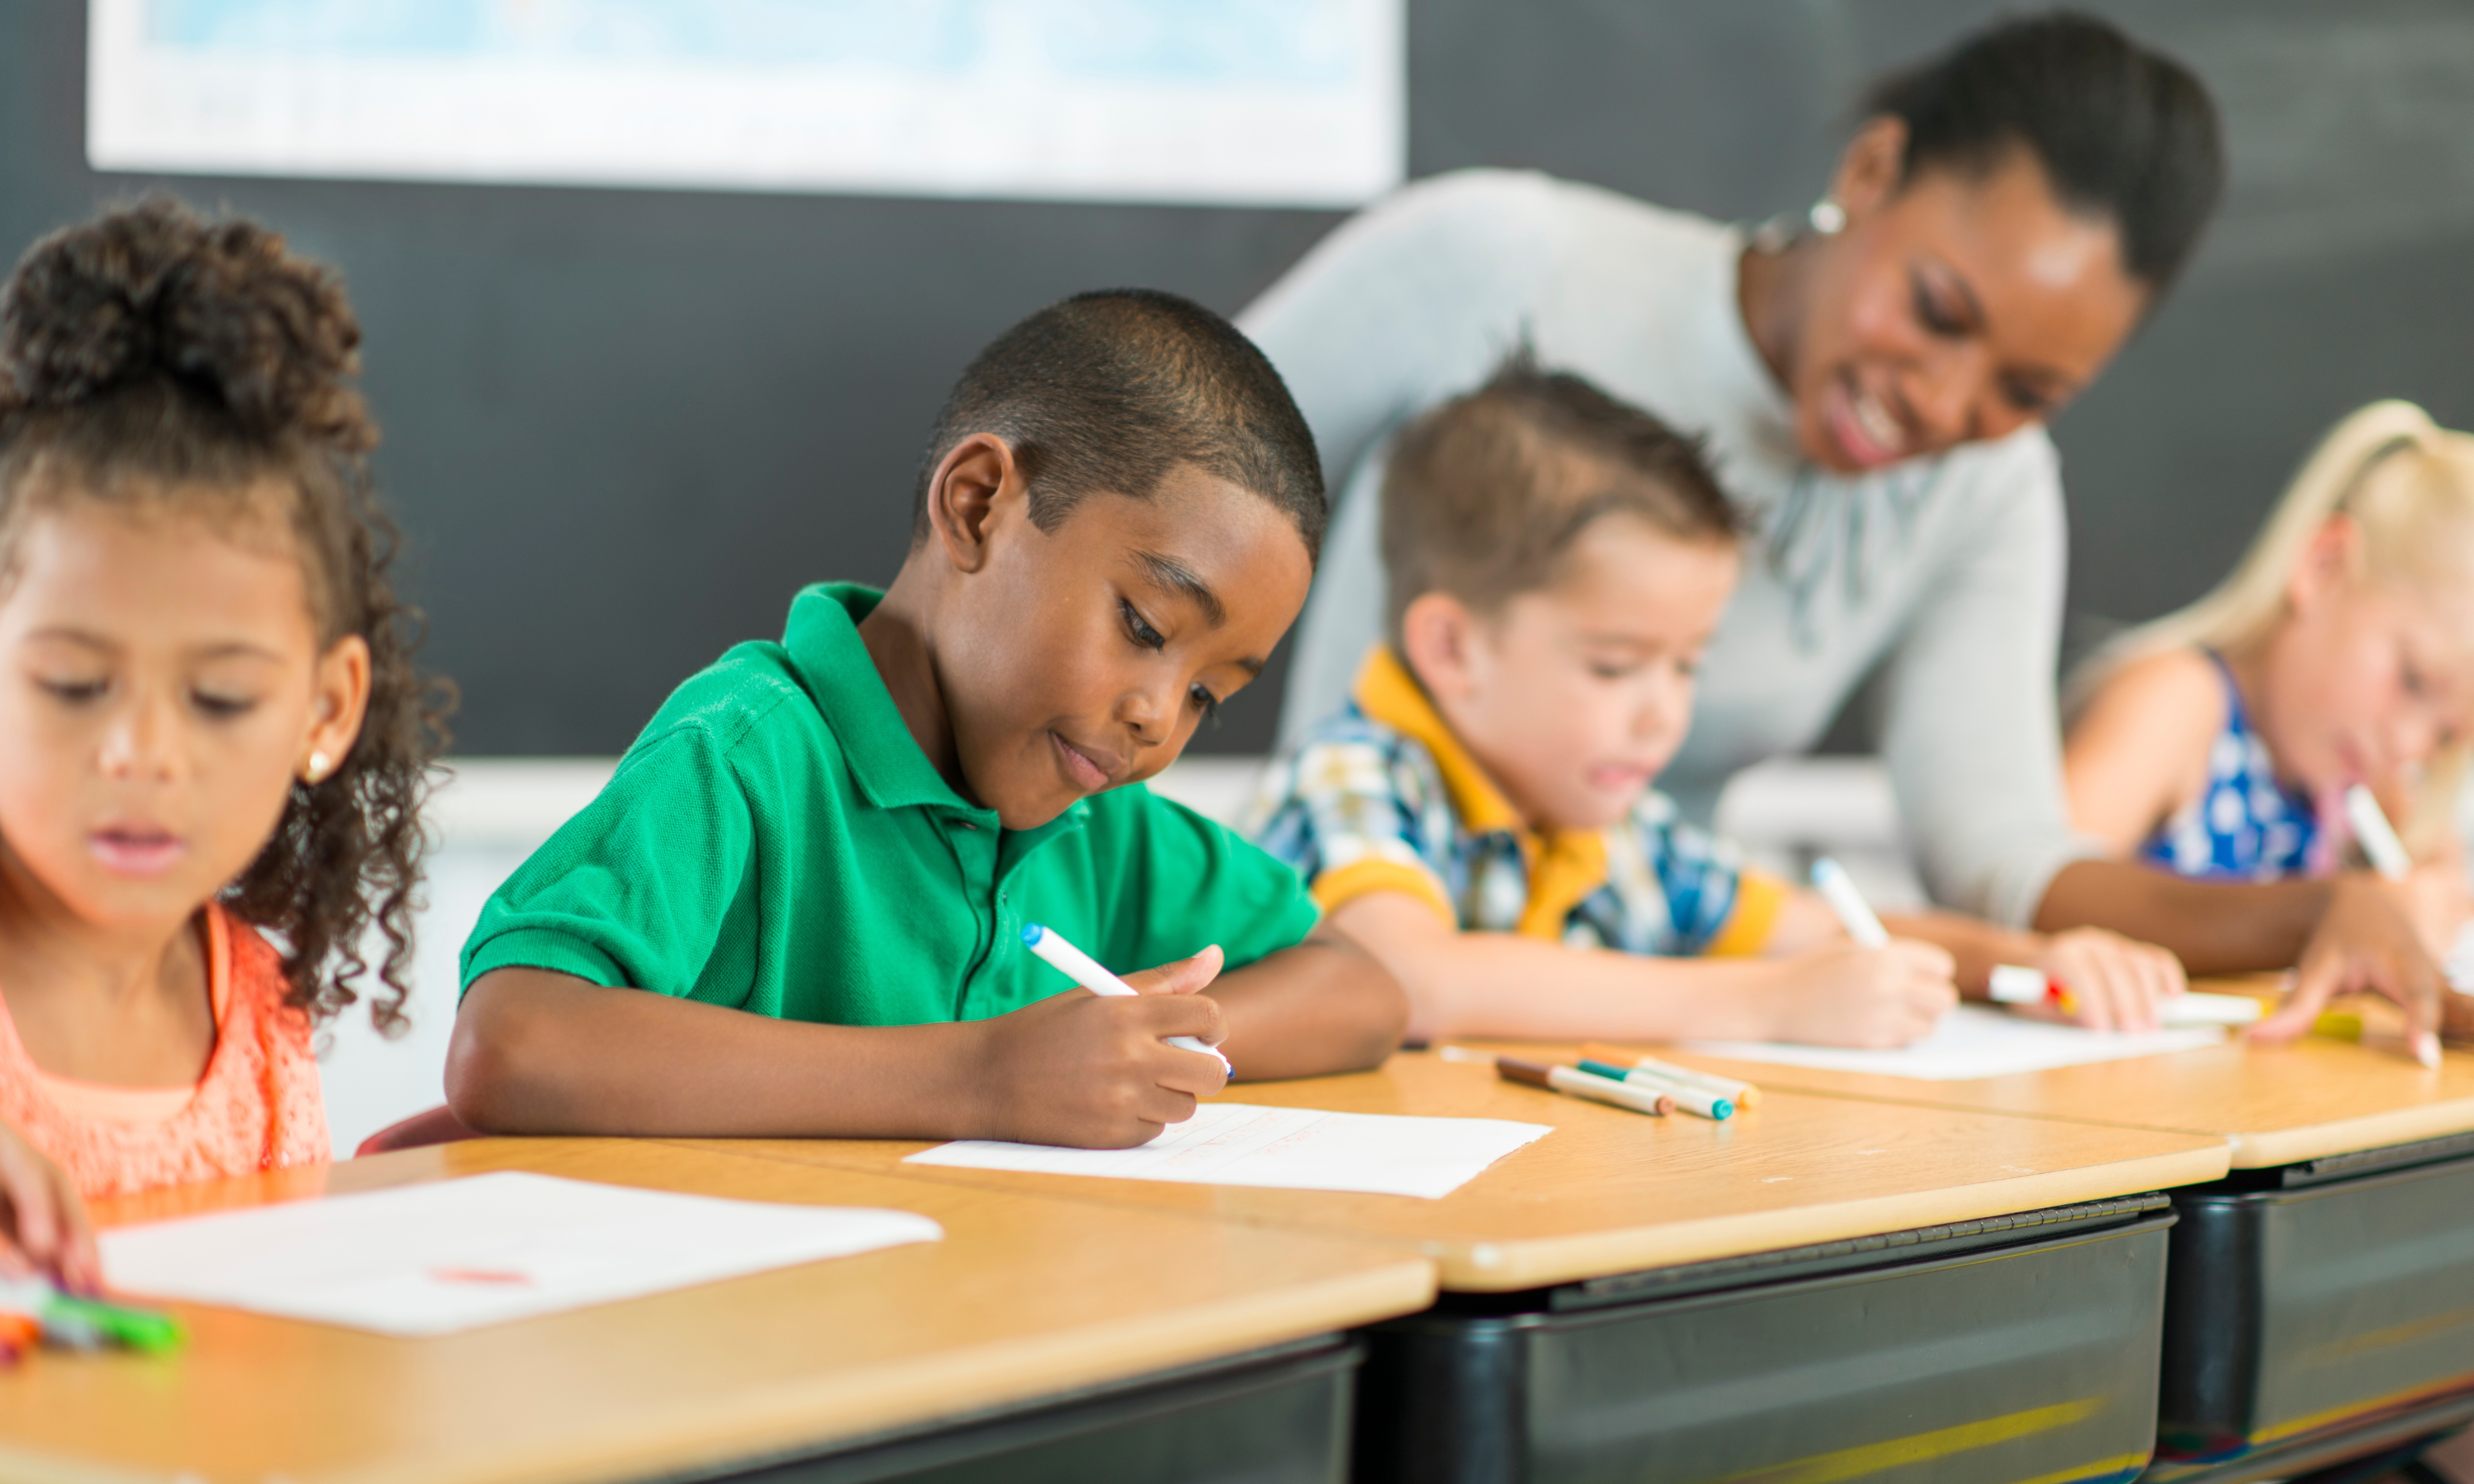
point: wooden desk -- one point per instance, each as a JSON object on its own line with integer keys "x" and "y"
{"x": 1024, "y": 1298}
{"x": 1612, "y": 1191}
{"x": 2276, "y": 1105}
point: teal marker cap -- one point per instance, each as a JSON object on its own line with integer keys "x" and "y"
{"x": 1606, "y": 1069}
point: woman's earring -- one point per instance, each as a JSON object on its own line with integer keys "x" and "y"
{"x": 319, "y": 764}
{"x": 1827, "y": 217}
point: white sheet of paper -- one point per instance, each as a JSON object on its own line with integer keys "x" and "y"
{"x": 459, "y": 1254}
{"x": 1973, "y": 1041}
{"x": 1293, "y": 1148}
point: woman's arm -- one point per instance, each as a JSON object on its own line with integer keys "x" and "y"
{"x": 2350, "y": 932}
{"x": 2117, "y": 983}
{"x": 2139, "y": 751}
{"x": 1498, "y": 983}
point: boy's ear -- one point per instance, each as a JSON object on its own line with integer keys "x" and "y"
{"x": 1437, "y": 631}
{"x": 971, "y": 482}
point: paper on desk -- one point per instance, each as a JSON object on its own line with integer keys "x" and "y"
{"x": 458, "y": 1253}
{"x": 1973, "y": 1041}
{"x": 1293, "y": 1148}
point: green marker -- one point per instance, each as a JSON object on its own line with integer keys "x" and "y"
{"x": 137, "y": 1329}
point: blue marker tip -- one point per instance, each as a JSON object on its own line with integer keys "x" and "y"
{"x": 1031, "y": 933}
{"x": 1722, "y": 1109}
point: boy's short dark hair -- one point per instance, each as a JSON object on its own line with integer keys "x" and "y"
{"x": 1484, "y": 494}
{"x": 1112, "y": 390}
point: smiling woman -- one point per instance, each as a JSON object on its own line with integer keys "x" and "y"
{"x": 1872, "y": 384}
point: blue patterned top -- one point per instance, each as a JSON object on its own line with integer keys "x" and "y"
{"x": 2244, "y": 825}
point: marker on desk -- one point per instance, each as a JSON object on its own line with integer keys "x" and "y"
{"x": 2388, "y": 856}
{"x": 1687, "y": 1096}
{"x": 1831, "y": 879}
{"x": 1581, "y": 1084}
{"x": 2013, "y": 984}
{"x": 82, "y": 1323}
{"x": 1741, "y": 1093}
{"x": 1085, "y": 970}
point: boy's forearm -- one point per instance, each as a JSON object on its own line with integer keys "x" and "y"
{"x": 1498, "y": 983}
{"x": 1321, "y": 1007}
{"x": 537, "y": 1052}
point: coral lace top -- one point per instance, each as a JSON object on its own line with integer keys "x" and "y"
{"x": 256, "y": 1108}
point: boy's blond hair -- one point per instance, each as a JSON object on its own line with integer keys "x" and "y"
{"x": 1485, "y": 494}
{"x": 2408, "y": 485}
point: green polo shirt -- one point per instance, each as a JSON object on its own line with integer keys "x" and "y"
{"x": 776, "y": 842}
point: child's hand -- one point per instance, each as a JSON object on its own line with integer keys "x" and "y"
{"x": 2115, "y": 983}
{"x": 1096, "y": 1073}
{"x": 45, "y": 1227}
{"x": 1849, "y": 996}
{"x": 2366, "y": 941}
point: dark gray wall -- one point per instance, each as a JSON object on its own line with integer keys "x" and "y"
{"x": 624, "y": 426}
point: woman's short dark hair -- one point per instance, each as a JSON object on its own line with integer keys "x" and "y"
{"x": 2120, "y": 130}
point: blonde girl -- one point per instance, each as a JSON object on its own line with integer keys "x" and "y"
{"x": 212, "y": 738}
{"x": 2218, "y": 741}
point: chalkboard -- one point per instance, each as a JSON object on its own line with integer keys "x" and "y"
{"x": 624, "y": 426}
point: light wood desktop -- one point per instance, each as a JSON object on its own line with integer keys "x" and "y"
{"x": 1022, "y": 1299}
{"x": 2277, "y": 1104}
{"x": 1612, "y": 1191}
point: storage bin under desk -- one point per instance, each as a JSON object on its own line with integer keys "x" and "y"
{"x": 2317, "y": 1300}
{"x": 1997, "y": 1351}
{"x": 1272, "y": 1417}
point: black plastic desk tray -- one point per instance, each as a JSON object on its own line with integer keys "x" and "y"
{"x": 1272, "y": 1417}
{"x": 2318, "y": 1299}
{"x": 2022, "y": 1348}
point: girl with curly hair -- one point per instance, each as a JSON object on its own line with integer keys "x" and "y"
{"x": 213, "y": 741}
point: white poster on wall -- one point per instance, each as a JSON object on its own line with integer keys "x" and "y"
{"x": 1234, "y": 102}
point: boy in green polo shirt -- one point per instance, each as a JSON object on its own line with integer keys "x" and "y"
{"x": 820, "y": 855}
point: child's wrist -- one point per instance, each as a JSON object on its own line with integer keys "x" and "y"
{"x": 966, "y": 1101}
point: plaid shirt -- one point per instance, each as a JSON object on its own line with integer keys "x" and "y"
{"x": 1382, "y": 797}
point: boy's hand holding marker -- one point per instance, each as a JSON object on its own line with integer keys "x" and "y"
{"x": 1877, "y": 991}
{"x": 1111, "y": 1069}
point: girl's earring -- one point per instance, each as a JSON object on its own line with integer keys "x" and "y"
{"x": 319, "y": 766}
{"x": 1827, "y": 217}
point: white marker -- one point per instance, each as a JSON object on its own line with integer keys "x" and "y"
{"x": 2194, "y": 1008}
{"x": 1830, "y": 878}
{"x": 1085, "y": 970}
{"x": 2380, "y": 843}
{"x": 2388, "y": 856}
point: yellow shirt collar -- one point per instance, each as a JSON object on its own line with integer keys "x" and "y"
{"x": 1388, "y": 693}
{"x": 1564, "y": 867}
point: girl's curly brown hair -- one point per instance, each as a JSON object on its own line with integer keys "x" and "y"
{"x": 152, "y": 356}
